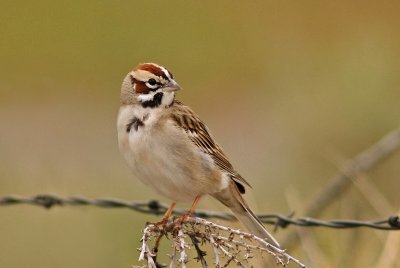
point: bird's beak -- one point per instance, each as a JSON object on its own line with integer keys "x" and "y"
{"x": 171, "y": 86}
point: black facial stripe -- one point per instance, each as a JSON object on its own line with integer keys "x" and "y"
{"x": 155, "y": 102}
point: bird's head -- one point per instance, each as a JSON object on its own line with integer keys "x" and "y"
{"x": 149, "y": 85}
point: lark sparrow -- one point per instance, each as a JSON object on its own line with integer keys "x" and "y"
{"x": 169, "y": 148}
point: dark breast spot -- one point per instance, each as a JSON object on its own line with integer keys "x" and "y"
{"x": 135, "y": 123}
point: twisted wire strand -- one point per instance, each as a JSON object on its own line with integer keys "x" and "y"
{"x": 155, "y": 207}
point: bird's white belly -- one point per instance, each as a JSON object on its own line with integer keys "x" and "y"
{"x": 166, "y": 161}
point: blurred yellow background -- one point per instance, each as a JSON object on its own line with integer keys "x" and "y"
{"x": 290, "y": 89}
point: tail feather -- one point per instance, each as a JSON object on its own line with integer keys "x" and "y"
{"x": 231, "y": 198}
{"x": 255, "y": 226}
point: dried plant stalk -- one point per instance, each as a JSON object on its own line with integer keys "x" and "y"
{"x": 229, "y": 246}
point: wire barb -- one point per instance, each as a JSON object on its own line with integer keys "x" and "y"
{"x": 155, "y": 207}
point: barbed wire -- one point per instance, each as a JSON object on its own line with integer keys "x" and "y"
{"x": 156, "y": 208}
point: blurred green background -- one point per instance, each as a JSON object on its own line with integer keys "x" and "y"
{"x": 290, "y": 89}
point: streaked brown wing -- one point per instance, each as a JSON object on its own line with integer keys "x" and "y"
{"x": 199, "y": 134}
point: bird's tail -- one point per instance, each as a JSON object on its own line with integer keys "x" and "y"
{"x": 231, "y": 198}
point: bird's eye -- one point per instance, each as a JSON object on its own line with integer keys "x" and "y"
{"x": 152, "y": 81}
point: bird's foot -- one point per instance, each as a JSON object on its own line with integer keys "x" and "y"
{"x": 180, "y": 220}
{"x": 161, "y": 224}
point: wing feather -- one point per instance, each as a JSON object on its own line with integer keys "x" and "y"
{"x": 199, "y": 134}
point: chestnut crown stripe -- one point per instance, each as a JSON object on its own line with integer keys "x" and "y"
{"x": 154, "y": 69}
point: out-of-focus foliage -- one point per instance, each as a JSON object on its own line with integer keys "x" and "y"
{"x": 289, "y": 89}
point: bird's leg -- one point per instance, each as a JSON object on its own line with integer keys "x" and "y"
{"x": 192, "y": 208}
{"x": 164, "y": 219}
{"x": 181, "y": 219}
{"x": 167, "y": 214}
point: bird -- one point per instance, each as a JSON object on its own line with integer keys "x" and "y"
{"x": 169, "y": 148}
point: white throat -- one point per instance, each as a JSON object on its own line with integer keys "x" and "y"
{"x": 168, "y": 99}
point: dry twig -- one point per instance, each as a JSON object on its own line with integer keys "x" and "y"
{"x": 228, "y": 245}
